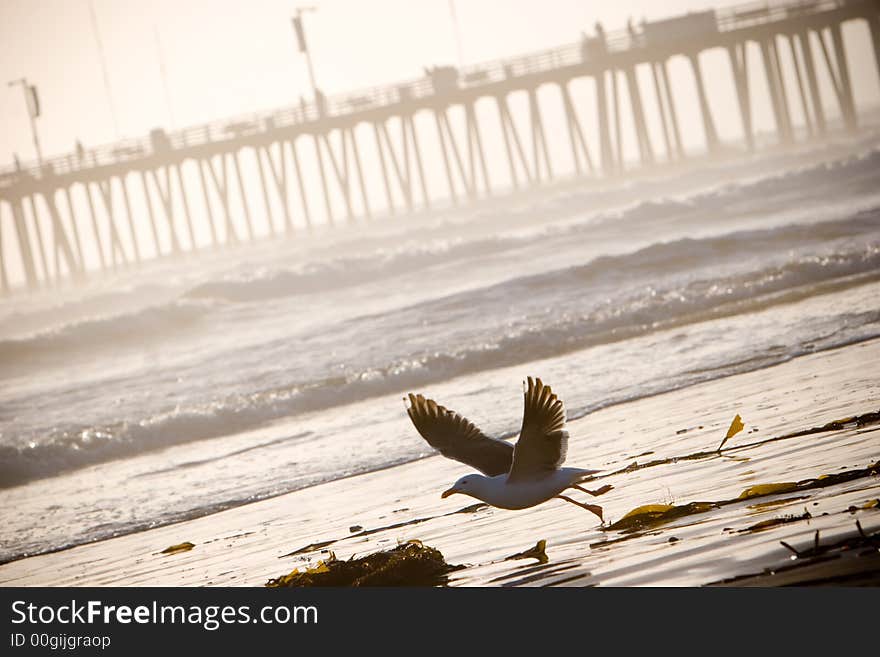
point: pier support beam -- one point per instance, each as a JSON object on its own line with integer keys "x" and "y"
{"x": 812, "y": 82}
{"x": 365, "y": 199}
{"x": 75, "y": 229}
{"x": 304, "y": 200}
{"x": 664, "y": 115}
{"x": 847, "y": 103}
{"x": 874, "y": 25}
{"x": 540, "y": 164}
{"x": 673, "y": 115}
{"x": 839, "y": 77}
{"x": 341, "y": 171}
{"x": 221, "y": 184}
{"x": 157, "y": 245}
{"x": 60, "y": 241}
{"x": 446, "y": 165}
{"x": 97, "y": 232}
{"x": 49, "y": 278}
{"x": 4, "y": 279}
{"x": 417, "y": 155}
{"x": 511, "y": 135}
{"x": 401, "y": 163}
{"x": 646, "y": 151}
{"x": 245, "y": 207}
{"x": 117, "y": 251}
{"x": 540, "y": 152}
{"x": 41, "y": 251}
{"x": 575, "y": 133}
{"x": 805, "y": 105}
{"x": 270, "y": 220}
{"x": 320, "y": 157}
{"x": 475, "y": 146}
{"x": 705, "y": 111}
{"x": 279, "y": 177}
{"x": 164, "y": 188}
{"x": 618, "y": 135}
{"x": 501, "y": 102}
{"x": 605, "y": 152}
{"x": 209, "y": 212}
{"x": 774, "y": 86}
{"x": 383, "y": 165}
{"x": 186, "y": 213}
{"x": 739, "y": 65}
{"x": 25, "y": 252}
{"x": 130, "y": 216}
{"x": 341, "y": 168}
{"x": 783, "y": 94}
{"x": 467, "y": 172}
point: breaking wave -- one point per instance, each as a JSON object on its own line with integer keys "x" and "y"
{"x": 608, "y": 299}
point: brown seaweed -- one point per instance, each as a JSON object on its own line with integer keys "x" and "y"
{"x": 180, "y": 547}
{"x": 654, "y": 514}
{"x": 408, "y": 564}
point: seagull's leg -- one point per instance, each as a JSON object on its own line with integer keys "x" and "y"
{"x": 594, "y": 493}
{"x": 589, "y": 507}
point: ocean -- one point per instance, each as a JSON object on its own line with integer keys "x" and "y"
{"x": 148, "y": 397}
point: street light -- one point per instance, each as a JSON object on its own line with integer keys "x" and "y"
{"x": 33, "y": 107}
{"x": 303, "y": 46}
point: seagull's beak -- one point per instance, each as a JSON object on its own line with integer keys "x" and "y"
{"x": 449, "y": 492}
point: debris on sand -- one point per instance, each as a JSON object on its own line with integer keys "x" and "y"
{"x": 311, "y": 547}
{"x": 870, "y": 504}
{"x": 767, "y": 489}
{"x": 650, "y": 515}
{"x": 836, "y": 425}
{"x": 775, "y": 522}
{"x": 854, "y": 421}
{"x": 408, "y": 564}
{"x": 851, "y": 561}
{"x": 536, "y": 552}
{"x": 735, "y": 427}
{"x": 654, "y": 514}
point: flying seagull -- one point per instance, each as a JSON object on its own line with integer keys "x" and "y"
{"x": 515, "y": 477}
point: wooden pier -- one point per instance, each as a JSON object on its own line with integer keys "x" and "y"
{"x": 52, "y": 239}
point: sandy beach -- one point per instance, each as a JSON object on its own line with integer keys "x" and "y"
{"x": 248, "y": 545}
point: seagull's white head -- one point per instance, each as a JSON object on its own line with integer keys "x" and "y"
{"x": 472, "y": 485}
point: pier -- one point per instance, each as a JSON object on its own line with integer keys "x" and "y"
{"x": 245, "y": 178}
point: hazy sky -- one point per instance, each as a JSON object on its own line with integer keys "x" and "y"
{"x": 225, "y": 57}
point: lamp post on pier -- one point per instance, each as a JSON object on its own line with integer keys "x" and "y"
{"x": 32, "y": 100}
{"x": 303, "y": 45}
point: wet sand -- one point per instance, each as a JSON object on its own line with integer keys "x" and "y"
{"x": 719, "y": 543}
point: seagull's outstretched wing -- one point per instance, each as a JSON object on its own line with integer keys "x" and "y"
{"x": 457, "y": 438}
{"x": 543, "y": 442}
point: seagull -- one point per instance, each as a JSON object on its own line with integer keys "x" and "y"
{"x": 517, "y": 477}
